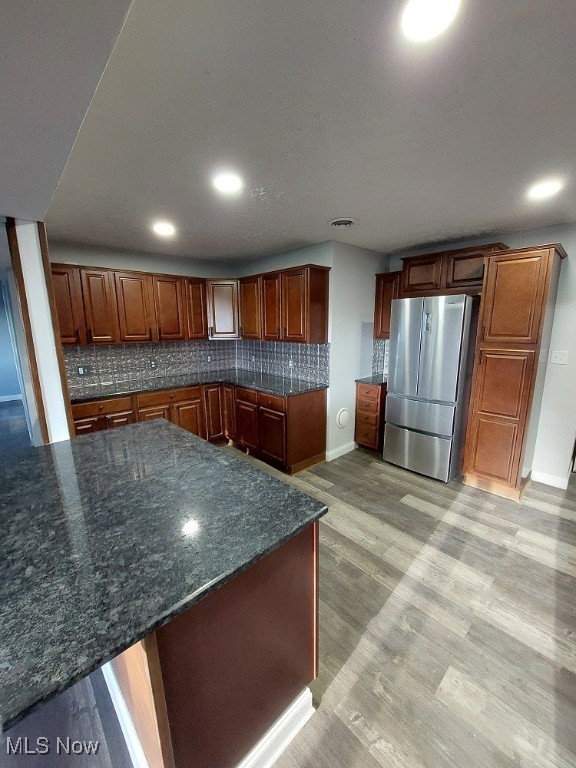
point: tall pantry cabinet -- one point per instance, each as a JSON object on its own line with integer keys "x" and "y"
{"x": 514, "y": 331}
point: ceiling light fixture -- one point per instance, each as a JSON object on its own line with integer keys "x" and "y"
{"x": 423, "y": 20}
{"x": 544, "y": 189}
{"x": 164, "y": 228}
{"x": 227, "y": 183}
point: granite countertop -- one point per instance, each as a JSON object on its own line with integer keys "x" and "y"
{"x": 108, "y": 536}
{"x": 377, "y": 378}
{"x": 273, "y": 385}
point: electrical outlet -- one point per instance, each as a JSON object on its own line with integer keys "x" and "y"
{"x": 209, "y": 358}
{"x": 153, "y": 363}
{"x": 83, "y": 370}
{"x": 290, "y": 363}
{"x": 559, "y": 358}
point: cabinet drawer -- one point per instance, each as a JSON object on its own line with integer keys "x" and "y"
{"x": 368, "y": 391}
{"x": 363, "y": 417}
{"x": 271, "y": 401}
{"x": 367, "y": 435}
{"x": 247, "y": 395}
{"x": 168, "y": 396}
{"x": 371, "y": 406}
{"x": 98, "y": 407}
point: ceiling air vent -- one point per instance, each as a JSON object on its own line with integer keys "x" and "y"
{"x": 343, "y": 222}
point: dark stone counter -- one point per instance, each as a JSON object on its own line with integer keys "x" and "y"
{"x": 273, "y": 385}
{"x": 377, "y": 378}
{"x": 106, "y": 537}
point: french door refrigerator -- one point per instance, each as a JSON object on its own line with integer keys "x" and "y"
{"x": 428, "y": 383}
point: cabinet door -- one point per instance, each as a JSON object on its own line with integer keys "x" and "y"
{"x": 154, "y": 412}
{"x": 513, "y": 298}
{"x": 250, "y": 308}
{"x": 422, "y": 274}
{"x": 464, "y": 270}
{"x": 213, "y": 410}
{"x": 272, "y": 435}
{"x": 498, "y": 414}
{"x": 196, "y": 308}
{"x": 86, "y": 426}
{"x": 69, "y": 305}
{"x": 294, "y": 304}
{"x": 100, "y": 307}
{"x": 169, "y": 306}
{"x": 271, "y": 306}
{"x": 120, "y": 419}
{"x": 222, "y": 309}
{"x": 229, "y": 411}
{"x": 190, "y": 416}
{"x": 387, "y": 286}
{"x": 247, "y": 424}
{"x": 135, "y": 307}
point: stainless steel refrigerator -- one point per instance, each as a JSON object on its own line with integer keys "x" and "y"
{"x": 428, "y": 383}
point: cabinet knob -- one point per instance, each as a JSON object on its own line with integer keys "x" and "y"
{"x": 100, "y": 407}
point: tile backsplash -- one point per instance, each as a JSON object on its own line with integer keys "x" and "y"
{"x": 380, "y": 354}
{"x": 118, "y": 363}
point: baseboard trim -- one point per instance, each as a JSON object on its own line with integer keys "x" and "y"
{"x": 126, "y": 725}
{"x": 9, "y": 398}
{"x": 554, "y": 480}
{"x": 279, "y": 736}
{"x": 342, "y": 451}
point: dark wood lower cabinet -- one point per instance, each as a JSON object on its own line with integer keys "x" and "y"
{"x": 288, "y": 432}
{"x": 370, "y": 410}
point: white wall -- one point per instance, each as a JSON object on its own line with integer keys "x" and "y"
{"x": 352, "y": 290}
{"x": 42, "y": 332}
{"x": 320, "y": 254}
{"x": 556, "y": 431}
{"x": 113, "y": 258}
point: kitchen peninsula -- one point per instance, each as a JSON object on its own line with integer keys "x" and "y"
{"x": 150, "y": 539}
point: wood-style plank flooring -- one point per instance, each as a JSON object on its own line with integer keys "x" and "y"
{"x": 447, "y": 623}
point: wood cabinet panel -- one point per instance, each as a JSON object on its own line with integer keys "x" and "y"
{"x": 120, "y": 419}
{"x": 169, "y": 307}
{"x": 100, "y": 306}
{"x": 135, "y": 307}
{"x": 95, "y": 415}
{"x": 251, "y": 307}
{"x": 154, "y": 412}
{"x": 503, "y": 381}
{"x": 213, "y": 411}
{"x": 514, "y": 297}
{"x": 495, "y": 444}
{"x": 370, "y": 410}
{"x": 69, "y": 305}
{"x": 196, "y": 308}
{"x": 422, "y": 274}
{"x": 222, "y": 299}
{"x": 190, "y": 416}
{"x": 387, "y": 288}
{"x": 246, "y": 423}
{"x": 229, "y": 411}
{"x": 87, "y": 425}
{"x": 272, "y": 435}
{"x": 271, "y": 306}
{"x": 464, "y": 270}
{"x": 294, "y": 295}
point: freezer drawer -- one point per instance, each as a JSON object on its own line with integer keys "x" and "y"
{"x": 423, "y": 416}
{"x": 425, "y": 454}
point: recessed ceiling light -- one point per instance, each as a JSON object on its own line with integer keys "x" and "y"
{"x": 424, "y": 20}
{"x": 544, "y": 189}
{"x": 227, "y": 183}
{"x": 164, "y": 228}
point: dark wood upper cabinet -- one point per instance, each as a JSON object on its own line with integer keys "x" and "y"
{"x": 513, "y": 299}
{"x": 213, "y": 410}
{"x": 271, "y": 306}
{"x": 387, "y": 288}
{"x": 222, "y": 299}
{"x": 251, "y": 307}
{"x": 169, "y": 306}
{"x": 196, "y": 308}
{"x": 100, "y": 306}
{"x": 304, "y": 298}
{"x": 458, "y": 270}
{"x": 69, "y": 304}
{"x": 135, "y": 306}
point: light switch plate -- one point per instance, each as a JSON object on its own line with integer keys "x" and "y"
{"x": 559, "y": 357}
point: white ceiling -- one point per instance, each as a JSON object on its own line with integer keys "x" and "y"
{"x": 52, "y": 54}
{"x": 325, "y": 110}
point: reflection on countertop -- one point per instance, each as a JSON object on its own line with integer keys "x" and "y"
{"x": 110, "y": 535}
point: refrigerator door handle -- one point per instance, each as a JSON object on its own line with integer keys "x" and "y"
{"x": 428, "y": 321}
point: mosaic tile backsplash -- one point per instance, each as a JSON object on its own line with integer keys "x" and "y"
{"x": 380, "y": 354}
{"x": 119, "y": 363}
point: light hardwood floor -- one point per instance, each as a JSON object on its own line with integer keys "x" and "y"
{"x": 447, "y": 623}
